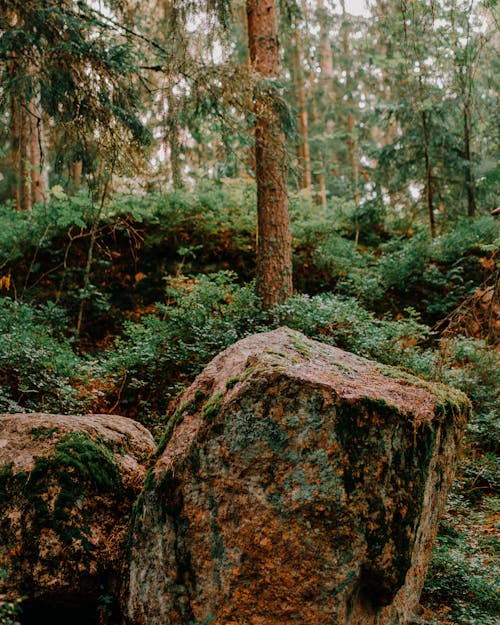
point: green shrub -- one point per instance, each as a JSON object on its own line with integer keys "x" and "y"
{"x": 434, "y": 276}
{"x": 37, "y": 364}
{"x": 463, "y": 576}
{"x": 337, "y": 255}
{"x": 343, "y": 322}
{"x": 154, "y": 358}
{"x": 474, "y": 367}
{"x": 21, "y": 231}
{"x": 10, "y": 608}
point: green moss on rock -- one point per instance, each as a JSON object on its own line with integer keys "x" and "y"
{"x": 212, "y": 407}
{"x": 76, "y": 465}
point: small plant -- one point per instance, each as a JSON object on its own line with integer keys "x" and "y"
{"x": 463, "y": 577}
{"x": 10, "y": 608}
{"x": 37, "y": 364}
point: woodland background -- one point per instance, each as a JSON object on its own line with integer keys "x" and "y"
{"x": 128, "y": 213}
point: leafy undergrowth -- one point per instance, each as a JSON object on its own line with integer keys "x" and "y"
{"x": 166, "y": 292}
{"x": 462, "y": 585}
{"x": 44, "y": 254}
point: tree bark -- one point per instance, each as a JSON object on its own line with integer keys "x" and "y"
{"x": 15, "y": 121}
{"x": 274, "y": 247}
{"x": 328, "y": 93}
{"x": 39, "y": 177}
{"x": 428, "y": 177}
{"x": 352, "y": 146}
{"x": 320, "y": 175}
{"x": 24, "y": 173}
{"x": 303, "y": 121}
{"x": 469, "y": 178}
{"x": 76, "y": 176}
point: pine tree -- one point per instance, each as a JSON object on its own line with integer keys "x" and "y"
{"x": 274, "y": 249}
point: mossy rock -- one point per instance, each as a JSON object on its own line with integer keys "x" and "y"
{"x": 296, "y": 481}
{"x": 67, "y": 487}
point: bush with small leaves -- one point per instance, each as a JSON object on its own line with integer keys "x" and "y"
{"x": 38, "y": 367}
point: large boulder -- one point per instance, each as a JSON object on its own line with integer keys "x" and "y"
{"x": 67, "y": 486}
{"x": 298, "y": 484}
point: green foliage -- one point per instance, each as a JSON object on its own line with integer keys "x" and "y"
{"x": 10, "y": 608}
{"x": 37, "y": 364}
{"x": 463, "y": 576}
{"x": 473, "y": 367}
{"x": 228, "y": 204}
{"x": 22, "y": 231}
{"x": 185, "y": 231}
{"x": 434, "y": 276}
{"x": 204, "y": 316}
{"x": 345, "y": 323}
{"x": 57, "y": 43}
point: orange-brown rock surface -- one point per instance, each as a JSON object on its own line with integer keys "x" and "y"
{"x": 300, "y": 485}
{"x": 67, "y": 486}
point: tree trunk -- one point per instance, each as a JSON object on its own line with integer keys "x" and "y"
{"x": 173, "y": 139}
{"x": 24, "y": 173}
{"x": 15, "y": 123}
{"x": 428, "y": 177}
{"x": 325, "y": 49}
{"x": 39, "y": 177}
{"x": 76, "y": 176}
{"x": 328, "y": 93}
{"x": 320, "y": 175}
{"x": 352, "y": 146}
{"x": 274, "y": 246}
{"x": 469, "y": 178}
{"x": 303, "y": 122}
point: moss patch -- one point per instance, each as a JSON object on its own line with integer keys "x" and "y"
{"x": 77, "y": 465}
{"x": 188, "y": 408}
{"x": 303, "y": 348}
{"x": 212, "y": 407}
{"x": 232, "y": 382}
{"x": 448, "y": 400}
{"x": 44, "y": 433}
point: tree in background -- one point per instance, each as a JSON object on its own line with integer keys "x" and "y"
{"x": 66, "y": 76}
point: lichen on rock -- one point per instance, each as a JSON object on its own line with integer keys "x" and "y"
{"x": 297, "y": 484}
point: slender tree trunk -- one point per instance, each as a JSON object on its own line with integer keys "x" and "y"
{"x": 76, "y": 176}
{"x": 320, "y": 176}
{"x": 428, "y": 177}
{"x": 15, "y": 130}
{"x": 328, "y": 92}
{"x": 174, "y": 141}
{"x": 325, "y": 49}
{"x": 274, "y": 247}
{"x": 303, "y": 121}
{"x": 24, "y": 161}
{"x": 469, "y": 178}
{"x": 39, "y": 176}
{"x": 351, "y": 140}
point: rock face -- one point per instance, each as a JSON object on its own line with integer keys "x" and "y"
{"x": 300, "y": 484}
{"x": 67, "y": 486}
